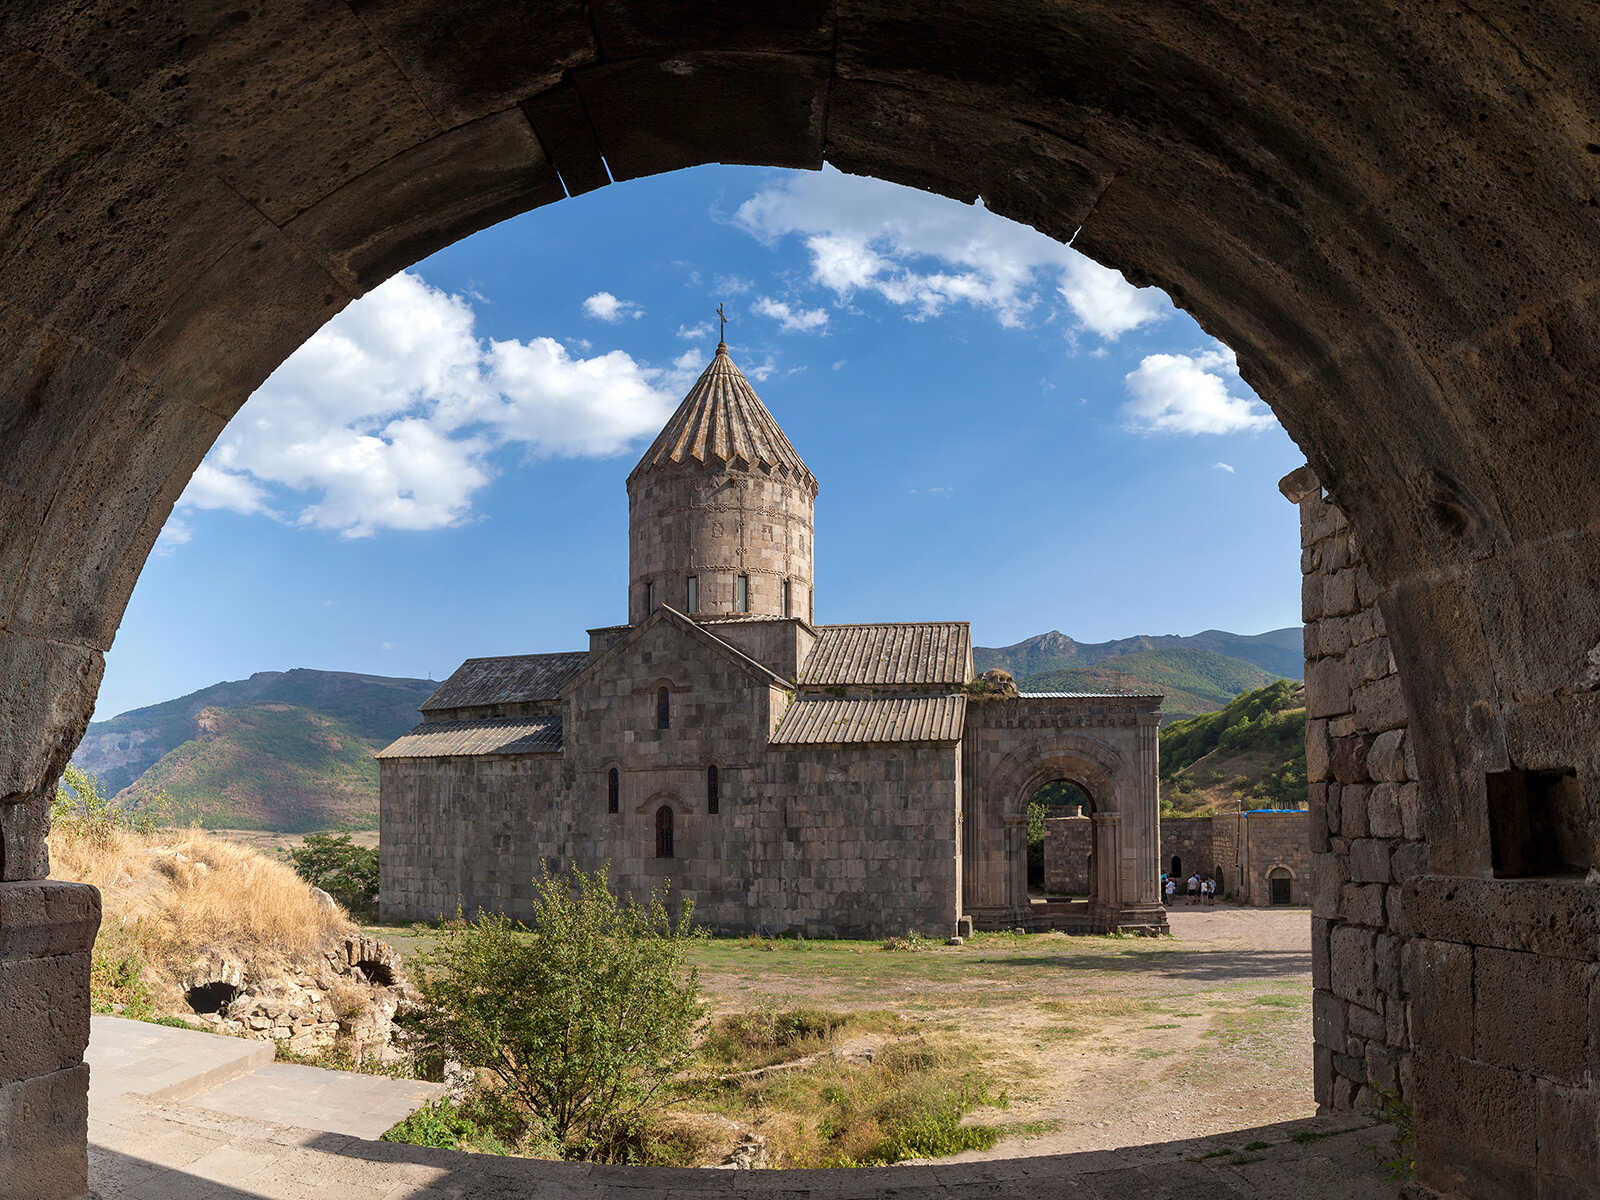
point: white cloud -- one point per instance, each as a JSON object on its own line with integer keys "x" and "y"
{"x": 176, "y": 532}
{"x": 794, "y": 319}
{"x": 389, "y": 417}
{"x": 924, "y": 253}
{"x": 1189, "y": 393}
{"x": 603, "y": 306}
{"x": 1222, "y": 466}
{"x": 695, "y": 333}
{"x": 731, "y": 285}
{"x": 211, "y": 487}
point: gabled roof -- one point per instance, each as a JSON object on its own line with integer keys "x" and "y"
{"x": 918, "y": 652}
{"x": 666, "y": 613}
{"x": 512, "y": 679}
{"x": 722, "y": 421}
{"x": 447, "y": 739}
{"x": 830, "y": 722}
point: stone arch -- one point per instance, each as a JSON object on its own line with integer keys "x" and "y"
{"x": 1403, "y": 258}
{"x": 1096, "y": 767}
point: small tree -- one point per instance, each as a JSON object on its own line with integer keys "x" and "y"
{"x": 347, "y": 872}
{"x": 584, "y": 1016}
{"x": 82, "y": 809}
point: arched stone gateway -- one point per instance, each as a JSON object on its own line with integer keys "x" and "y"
{"x": 1388, "y": 211}
{"x": 1104, "y": 744}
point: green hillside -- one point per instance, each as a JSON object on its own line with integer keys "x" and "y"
{"x": 376, "y": 708}
{"x": 267, "y": 766}
{"x": 1193, "y": 681}
{"x": 1278, "y": 652}
{"x": 1252, "y": 750}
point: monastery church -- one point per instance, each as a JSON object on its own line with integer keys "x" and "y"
{"x": 832, "y": 780}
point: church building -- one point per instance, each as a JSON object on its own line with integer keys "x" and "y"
{"x": 830, "y": 780}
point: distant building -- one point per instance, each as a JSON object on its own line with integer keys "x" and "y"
{"x": 828, "y": 779}
{"x": 1260, "y": 857}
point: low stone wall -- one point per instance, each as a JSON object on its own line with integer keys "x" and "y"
{"x": 1068, "y": 843}
{"x": 1275, "y": 842}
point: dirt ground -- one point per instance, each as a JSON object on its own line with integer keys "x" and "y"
{"x": 1099, "y": 1042}
{"x": 1096, "y": 1042}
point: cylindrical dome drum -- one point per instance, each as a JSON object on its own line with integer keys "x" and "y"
{"x": 720, "y": 509}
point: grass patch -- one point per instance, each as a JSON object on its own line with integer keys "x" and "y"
{"x": 1249, "y": 1146}
{"x": 909, "y": 1100}
{"x": 1280, "y": 1000}
{"x": 1028, "y": 1130}
{"x": 1219, "y": 1153}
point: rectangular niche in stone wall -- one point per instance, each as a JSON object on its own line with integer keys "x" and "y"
{"x": 1538, "y": 824}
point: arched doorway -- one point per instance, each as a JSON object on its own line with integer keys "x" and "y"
{"x": 1060, "y": 844}
{"x": 1280, "y": 886}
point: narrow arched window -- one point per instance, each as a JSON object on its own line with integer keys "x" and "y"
{"x": 713, "y": 794}
{"x": 741, "y": 594}
{"x": 663, "y": 709}
{"x": 664, "y": 831}
{"x": 694, "y": 594}
{"x": 613, "y": 791}
{"x": 649, "y": 598}
{"x": 785, "y": 590}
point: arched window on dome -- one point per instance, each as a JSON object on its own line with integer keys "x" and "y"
{"x": 613, "y": 791}
{"x": 713, "y": 790}
{"x": 741, "y": 594}
{"x": 649, "y": 598}
{"x": 785, "y": 593}
{"x": 693, "y": 597}
{"x": 664, "y": 831}
{"x": 663, "y": 709}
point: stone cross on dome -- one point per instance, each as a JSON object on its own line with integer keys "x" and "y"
{"x": 722, "y": 335}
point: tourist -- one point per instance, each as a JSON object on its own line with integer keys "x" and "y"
{"x": 1194, "y": 888}
{"x": 1172, "y": 889}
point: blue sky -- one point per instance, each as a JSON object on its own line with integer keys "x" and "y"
{"x": 1004, "y": 432}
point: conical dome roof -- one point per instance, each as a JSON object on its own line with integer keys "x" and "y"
{"x": 722, "y": 421}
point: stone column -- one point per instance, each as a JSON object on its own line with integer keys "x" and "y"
{"x": 1108, "y": 897}
{"x": 1144, "y": 838}
{"x": 1016, "y": 860}
{"x": 46, "y": 932}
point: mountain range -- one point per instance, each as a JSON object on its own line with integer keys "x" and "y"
{"x": 282, "y": 750}
{"x": 1197, "y": 674}
{"x": 291, "y": 751}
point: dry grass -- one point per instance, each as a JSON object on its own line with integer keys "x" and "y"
{"x": 172, "y": 894}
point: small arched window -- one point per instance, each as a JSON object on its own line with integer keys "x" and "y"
{"x": 694, "y": 594}
{"x": 741, "y": 594}
{"x": 1177, "y": 867}
{"x": 663, "y": 709}
{"x": 713, "y": 793}
{"x": 785, "y": 591}
{"x": 664, "y": 831}
{"x": 613, "y": 791}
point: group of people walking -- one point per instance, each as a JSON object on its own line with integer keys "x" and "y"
{"x": 1199, "y": 891}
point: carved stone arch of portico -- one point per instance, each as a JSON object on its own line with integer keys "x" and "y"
{"x": 1094, "y": 765}
{"x": 1099, "y": 768}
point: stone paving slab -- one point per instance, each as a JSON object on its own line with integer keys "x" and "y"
{"x": 140, "y": 1149}
{"x": 312, "y": 1098}
{"x": 162, "y": 1062}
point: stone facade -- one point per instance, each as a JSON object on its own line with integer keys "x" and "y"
{"x": 1246, "y": 851}
{"x": 1068, "y": 854}
{"x": 832, "y": 780}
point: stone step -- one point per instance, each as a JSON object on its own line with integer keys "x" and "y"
{"x": 164, "y": 1063}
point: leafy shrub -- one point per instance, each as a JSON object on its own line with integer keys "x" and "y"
{"x": 584, "y": 1017}
{"x": 117, "y": 982}
{"x": 480, "y": 1122}
{"x": 347, "y": 872}
{"x": 82, "y": 810}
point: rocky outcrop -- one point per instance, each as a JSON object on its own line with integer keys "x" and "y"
{"x": 347, "y": 992}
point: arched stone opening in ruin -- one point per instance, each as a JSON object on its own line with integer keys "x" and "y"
{"x": 211, "y": 997}
{"x": 1061, "y": 849}
{"x": 379, "y": 974}
{"x": 1387, "y": 213}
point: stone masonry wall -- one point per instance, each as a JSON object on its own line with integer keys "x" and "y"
{"x": 1193, "y": 841}
{"x": 1068, "y": 842}
{"x": 1272, "y": 840}
{"x": 1366, "y": 834}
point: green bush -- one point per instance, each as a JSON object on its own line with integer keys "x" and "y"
{"x": 82, "y": 809}
{"x": 584, "y": 1017}
{"x": 347, "y": 872}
